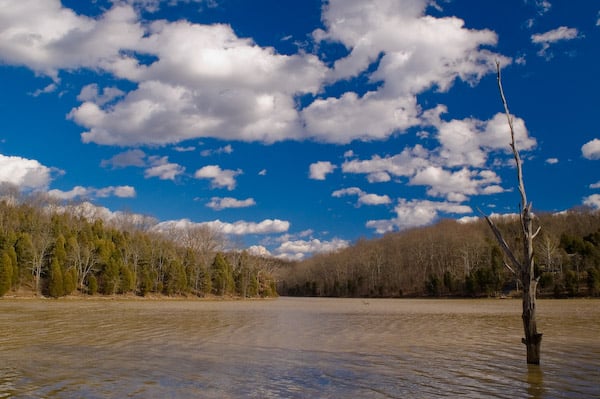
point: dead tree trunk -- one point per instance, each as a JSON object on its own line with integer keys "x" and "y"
{"x": 524, "y": 270}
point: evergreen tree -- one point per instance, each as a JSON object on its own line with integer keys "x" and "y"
{"x": 56, "y": 284}
{"x": 222, "y": 276}
{"x": 6, "y": 273}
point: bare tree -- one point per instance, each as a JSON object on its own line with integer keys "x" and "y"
{"x": 523, "y": 270}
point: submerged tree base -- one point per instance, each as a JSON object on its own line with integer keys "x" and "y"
{"x": 533, "y": 348}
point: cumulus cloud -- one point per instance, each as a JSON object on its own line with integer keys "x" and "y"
{"x": 228, "y": 149}
{"x": 320, "y": 170}
{"x": 457, "y": 186}
{"x": 414, "y": 52}
{"x": 415, "y": 213}
{"x": 163, "y": 169}
{"x": 595, "y": 185}
{"x": 467, "y": 142}
{"x": 193, "y": 80}
{"x": 592, "y": 201}
{"x": 91, "y": 192}
{"x": 591, "y": 149}
{"x": 218, "y": 203}
{"x": 546, "y": 39}
{"x": 363, "y": 197}
{"x": 92, "y": 94}
{"x": 381, "y": 169}
{"x": 218, "y": 177}
{"x": 124, "y": 159}
{"x": 552, "y": 161}
{"x": 267, "y": 226}
{"x": 24, "y": 173}
{"x": 299, "y": 249}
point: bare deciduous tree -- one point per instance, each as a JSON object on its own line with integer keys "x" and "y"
{"x": 523, "y": 269}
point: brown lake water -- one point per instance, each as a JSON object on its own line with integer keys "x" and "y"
{"x": 295, "y": 348}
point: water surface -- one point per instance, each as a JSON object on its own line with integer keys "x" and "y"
{"x": 295, "y": 348}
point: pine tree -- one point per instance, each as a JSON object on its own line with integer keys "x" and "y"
{"x": 6, "y": 273}
{"x": 56, "y": 284}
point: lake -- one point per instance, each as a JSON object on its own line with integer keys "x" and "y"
{"x": 295, "y": 348}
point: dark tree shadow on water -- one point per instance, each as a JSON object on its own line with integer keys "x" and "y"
{"x": 535, "y": 382}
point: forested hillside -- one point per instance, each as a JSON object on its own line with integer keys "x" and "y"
{"x": 456, "y": 259}
{"x": 53, "y": 250}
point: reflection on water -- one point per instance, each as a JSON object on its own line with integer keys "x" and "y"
{"x": 294, "y": 348}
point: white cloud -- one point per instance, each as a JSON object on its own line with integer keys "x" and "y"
{"x": 258, "y": 250}
{"x": 263, "y": 172}
{"x": 363, "y": 197}
{"x": 92, "y": 94}
{"x": 380, "y": 169}
{"x": 591, "y": 149}
{"x": 456, "y": 186}
{"x": 299, "y": 249}
{"x": 595, "y": 185}
{"x": 415, "y": 52}
{"x": 184, "y": 149}
{"x": 219, "y": 178}
{"x": 320, "y": 170}
{"x": 47, "y": 89}
{"x": 416, "y": 213}
{"x": 228, "y": 149}
{"x": 47, "y": 37}
{"x": 218, "y": 204}
{"x": 90, "y": 192}
{"x": 592, "y": 200}
{"x": 469, "y": 141}
{"x": 163, "y": 169}
{"x": 205, "y": 81}
{"x": 124, "y": 159}
{"x": 25, "y": 173}
{"x": 267, "y": 226}
{"x": 552, "y": 161}
{"x": 545, "y": 39}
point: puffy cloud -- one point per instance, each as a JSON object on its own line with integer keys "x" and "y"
{"x": 218, "y": 204}
{"x": 545, "y": 39}
{"x": 228, "y": 149}
{"x": 552, "y": 161}
{"x": 363, "y": 197}
{"x": 205, "y": 82}
{"x": 592, "y": 200}
{"x": 195, "y": 80}
{"x": 163, "y": 169}
{"x": 416, "y": 213}
{"x": 457, "y": 186}
{"x": 219, "y": 178}
{"x": 92, "y": 94}
{"x": 89, "y": 192}
{"x": 469, "y": 141}
{"x": 258, "y": 250}
{"x": 47, "y": 37}
{"x": 380, "y": 169}
{"x": 591, "y": 149}
{"x": 267, "y": 226}
{"x": 350, "y": 117}
{"x": 595, "y": 185}
{"x": 320, "y": 170}
{"x": 124, "y": 159}
{"x": 25, "y": 173}
{"x": 299, "y": 249}
{"x": 415, "y": 52}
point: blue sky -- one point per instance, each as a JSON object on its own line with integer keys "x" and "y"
{"x": 298, "y": 127}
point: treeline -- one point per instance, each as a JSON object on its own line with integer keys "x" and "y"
{"x": 456, "y": 259}
{"x": 60, "y": 250}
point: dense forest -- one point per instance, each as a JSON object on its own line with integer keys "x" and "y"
{"x": 456, "y": 259}
{"x": 56, "y": 250}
